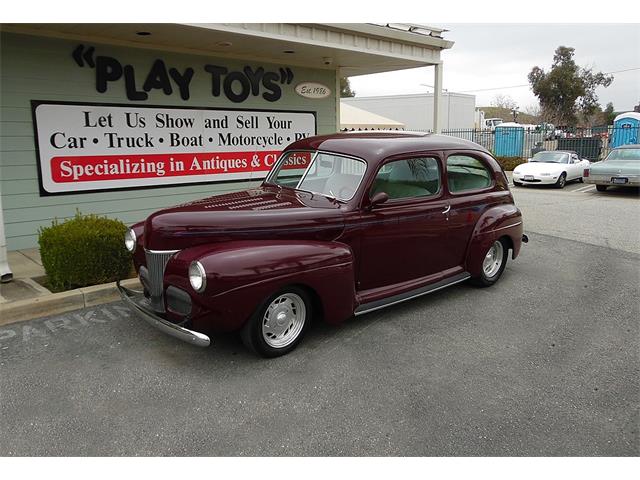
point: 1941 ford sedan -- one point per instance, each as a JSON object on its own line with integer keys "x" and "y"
{"x": 343, "y": 225}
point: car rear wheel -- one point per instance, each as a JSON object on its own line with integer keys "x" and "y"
{"x": 562, "y": 180}
{"x": 279, "y": 323}
{"x": 493, "y": 264}
{"x": 601, "y": 188}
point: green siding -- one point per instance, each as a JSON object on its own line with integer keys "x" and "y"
{"x": 36, "y": 68}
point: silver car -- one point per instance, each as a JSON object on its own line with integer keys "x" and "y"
{"x": 621, "y": 168}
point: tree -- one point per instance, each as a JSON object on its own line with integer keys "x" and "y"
{"x": 567, "y": 89}
{"x": 534, "y": 110}
{"x": 608, "y": 114}
{"x": 345, "y": 88}
{"x": 504, "y": 101}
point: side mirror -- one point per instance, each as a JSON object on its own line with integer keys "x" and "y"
{"x": 379, "y": 198}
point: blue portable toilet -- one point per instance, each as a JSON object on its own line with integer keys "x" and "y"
{"x": 626, "y": 127}
{"x": 509, "y": 140}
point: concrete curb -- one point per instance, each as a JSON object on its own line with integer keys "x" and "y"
{"x": 56, "y": 303}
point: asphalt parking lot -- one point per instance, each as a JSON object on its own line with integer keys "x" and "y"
{"x": 546, "y": 362}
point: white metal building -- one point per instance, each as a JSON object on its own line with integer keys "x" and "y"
{"x": 457, "y": 110}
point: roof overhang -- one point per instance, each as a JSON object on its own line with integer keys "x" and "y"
{"x": 356, "y": 49}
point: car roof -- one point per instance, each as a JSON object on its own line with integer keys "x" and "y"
{"x": 378, "y": 145}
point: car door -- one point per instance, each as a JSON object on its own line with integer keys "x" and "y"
{"x": 403, "y": 238}
{"x": 574, "y": 168}
{"x": 469, "y": 179}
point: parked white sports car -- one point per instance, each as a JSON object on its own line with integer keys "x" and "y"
{"x": 551, "y": 167}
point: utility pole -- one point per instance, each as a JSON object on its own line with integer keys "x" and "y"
{"x": 514, "y": 112}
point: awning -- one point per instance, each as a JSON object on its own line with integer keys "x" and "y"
{"x": 355, "y": 49}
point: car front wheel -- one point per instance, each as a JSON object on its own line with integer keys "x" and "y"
{"x": 493, "y": 264}
{"x": 562, "y": 180}
{"x": 278, "y": 324}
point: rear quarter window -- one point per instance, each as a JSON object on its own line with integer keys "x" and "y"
{"x": 466, "y": 173}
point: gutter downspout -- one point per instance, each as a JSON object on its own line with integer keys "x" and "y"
{"x": 337, "y": 93}
{"x": 5, "y": 272}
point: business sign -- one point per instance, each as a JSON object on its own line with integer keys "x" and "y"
{"x": 92, "y": 147}
{"x": 312, "y": 90}
{"x": 235, "y": 85}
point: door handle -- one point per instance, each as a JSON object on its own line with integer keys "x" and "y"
{"x": 446, "y": 210}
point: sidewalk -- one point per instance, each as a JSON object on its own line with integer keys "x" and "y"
{"x": 24, "y": 298}
{"x": 25, "y": 265}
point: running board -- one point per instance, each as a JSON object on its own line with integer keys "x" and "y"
{"x": 402, "y": 297}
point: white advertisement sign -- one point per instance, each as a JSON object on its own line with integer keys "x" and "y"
{"x": 89, "y": 147}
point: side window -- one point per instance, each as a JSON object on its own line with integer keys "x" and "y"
{"x": 466, "y": 173}
{"x": 415, "y": 177}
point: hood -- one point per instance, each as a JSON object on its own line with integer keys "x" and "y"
{"x": 261, "y": 213}
{"x": 616, "y": 167}
{"x": 533, "y": 168}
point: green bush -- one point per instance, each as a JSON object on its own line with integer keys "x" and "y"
{"x": 85, "y": 250}
{"x": 509, "y": 163}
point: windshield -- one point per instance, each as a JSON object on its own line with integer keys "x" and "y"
{"x": 624, "y": 154}
{"x": 551, "y": 157}
{"x": 327, "y": 174}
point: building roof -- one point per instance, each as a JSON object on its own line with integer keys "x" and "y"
{"x": 356, "y": 118}
{"x": 402, "y": 96}
{"x": 356, "y": 48}
{"x": 376, "y": 146}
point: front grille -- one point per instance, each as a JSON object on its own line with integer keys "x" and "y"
{"x": 156, "y": 263}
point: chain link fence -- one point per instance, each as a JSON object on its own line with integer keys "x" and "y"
{"x": 591, "y": 143}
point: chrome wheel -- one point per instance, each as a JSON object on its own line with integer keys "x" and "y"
{"x": 283, "y": 320}
{"x": 493, "y": 260}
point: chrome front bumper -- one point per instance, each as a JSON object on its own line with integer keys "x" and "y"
{"x": 134, "y": 300}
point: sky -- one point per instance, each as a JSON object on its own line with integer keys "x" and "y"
{"x": 500, "y": 55}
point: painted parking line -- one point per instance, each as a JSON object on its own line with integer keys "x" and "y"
{"x": 586, "y": 188}
{"x": 578, "y": 188}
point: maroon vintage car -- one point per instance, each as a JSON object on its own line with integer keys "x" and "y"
{"x": 343, "y": 225}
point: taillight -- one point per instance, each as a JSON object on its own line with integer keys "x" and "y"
{"x": 585, "y": 173}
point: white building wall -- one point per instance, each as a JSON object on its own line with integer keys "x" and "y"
{"x": 416, "y": 110}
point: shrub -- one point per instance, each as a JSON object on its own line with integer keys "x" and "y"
{"x": 85, "y": 250}
{"x": 509, "y": 163}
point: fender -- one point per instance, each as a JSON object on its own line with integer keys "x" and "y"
{"x": 498, "y": 221}
{"x": 242, "y": 274}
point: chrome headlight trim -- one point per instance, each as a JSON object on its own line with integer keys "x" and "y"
{"x": 197, "y": 277}
{"x": 130, "y": 240}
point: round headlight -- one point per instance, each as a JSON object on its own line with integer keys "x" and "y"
{"x": 130, "y": 240}
{"x": 197, "y": 277}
